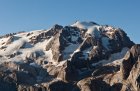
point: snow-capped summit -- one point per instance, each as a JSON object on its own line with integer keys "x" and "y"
{"x": 61, "y": 53}
{"x": 84, "y": 24}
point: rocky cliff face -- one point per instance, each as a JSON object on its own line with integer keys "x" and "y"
{"x": 84, "y": 56}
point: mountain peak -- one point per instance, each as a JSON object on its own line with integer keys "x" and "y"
{"x": 63, "y": 54}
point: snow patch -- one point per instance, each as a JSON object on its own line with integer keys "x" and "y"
{"x": 105, "y": 42}
{"x": 115, "y": 58}
{"x": 94, "y": 31}
{"x": 69, "y": 50}
{"x": 14, "y": 46}
{"x": 92, "y": 28}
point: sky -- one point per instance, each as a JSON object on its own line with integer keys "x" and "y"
{"x": 28, "y": 15}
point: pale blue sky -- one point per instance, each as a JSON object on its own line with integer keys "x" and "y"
{"x": 28, "y": 15}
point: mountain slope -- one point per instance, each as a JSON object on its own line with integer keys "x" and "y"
{"x": 69, "y": 58}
